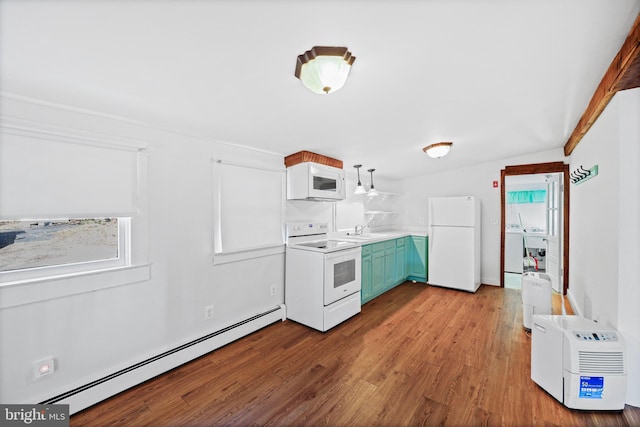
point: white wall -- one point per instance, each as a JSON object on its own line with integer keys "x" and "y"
{"x": 605, "y": 227}
{"x": 629, "y": 235}
{"x": 593, "y": 244}
{"x": 96, "y": 333}
{"x": 471, "y": 181}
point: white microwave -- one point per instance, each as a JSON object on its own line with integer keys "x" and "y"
{"x": 313, "y": 181}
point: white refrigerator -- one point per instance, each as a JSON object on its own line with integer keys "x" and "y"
{"x": 454, "y": 242}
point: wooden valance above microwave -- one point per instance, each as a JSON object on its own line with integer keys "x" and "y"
{"x": 308, "y": 156}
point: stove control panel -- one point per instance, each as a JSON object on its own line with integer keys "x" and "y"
{"x": 301, "y": 228}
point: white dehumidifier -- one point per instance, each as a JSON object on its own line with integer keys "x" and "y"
{"x": 536, "y": 296}
{"x": 579, "y": 362}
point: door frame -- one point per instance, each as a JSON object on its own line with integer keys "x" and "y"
{"x": 538, "y": 168}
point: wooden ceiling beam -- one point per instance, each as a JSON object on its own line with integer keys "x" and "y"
{"x": 623, "y": 73}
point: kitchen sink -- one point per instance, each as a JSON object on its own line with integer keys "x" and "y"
{"x": 362, "y": 237}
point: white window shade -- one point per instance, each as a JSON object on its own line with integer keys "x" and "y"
{"x": 249, "y": 208}
{"x": 48, "y": 177}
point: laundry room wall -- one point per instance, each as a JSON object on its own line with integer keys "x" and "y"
{"x": 531, "y": 213}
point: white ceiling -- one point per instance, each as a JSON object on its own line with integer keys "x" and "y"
{"x": 499, "y": 78}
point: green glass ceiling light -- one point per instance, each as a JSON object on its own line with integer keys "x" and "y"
{"x": 324, "y": 69}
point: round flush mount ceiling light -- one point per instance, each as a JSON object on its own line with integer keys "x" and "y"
{"x": 439, "y": 149}
{"x": 324, "y": 69}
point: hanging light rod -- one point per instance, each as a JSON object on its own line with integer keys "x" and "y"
{"x": 359, "y": 188}
{"x": 324, "y": 69}
{"x": 372, "y": 191}
{"x": 437, "y": 150}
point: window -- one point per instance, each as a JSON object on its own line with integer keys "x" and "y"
{"x": 239, "y": 233}
{"x": 527, "y": 196}
{"x": 66, "y": 203}
{"x": 86, "y": 195}
{"x": 49, "y": 247}
{"x": 46, "y": 243}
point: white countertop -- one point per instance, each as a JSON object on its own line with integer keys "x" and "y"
{"x": 375, "y": 237}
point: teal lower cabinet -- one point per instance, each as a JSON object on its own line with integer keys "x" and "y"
{"x": 384, "y": 266}
{"x": 377, "y": 268}
{"x": 417, "y": 258}
{"x": 389, "y": 263}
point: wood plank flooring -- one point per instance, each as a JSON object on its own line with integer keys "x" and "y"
{"x": 417, "y": 355}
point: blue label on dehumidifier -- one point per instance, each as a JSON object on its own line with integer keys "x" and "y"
{"x": 591, "y": 387}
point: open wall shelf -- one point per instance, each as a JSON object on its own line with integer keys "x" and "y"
{"x": 379, "y": 215}
{"x": 382, "y": 197}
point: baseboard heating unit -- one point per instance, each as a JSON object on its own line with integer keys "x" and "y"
{"x": 579, "y": 362}
{"x": 110, "y": 385}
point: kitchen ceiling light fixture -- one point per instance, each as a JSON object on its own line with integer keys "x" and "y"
{"x": 372, "y": 190}
{"x": 437, "y": 150}
{"x": 324, "y": 69}
{"x": 359, "y": 188}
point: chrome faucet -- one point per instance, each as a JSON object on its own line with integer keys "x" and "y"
{"x": 361, "y": 227}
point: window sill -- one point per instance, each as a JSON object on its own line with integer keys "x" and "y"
{"x": 245, "y": 254}
{"x": 36, "y": 290}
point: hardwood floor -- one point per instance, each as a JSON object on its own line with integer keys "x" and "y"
{"x": 417, "y": 355}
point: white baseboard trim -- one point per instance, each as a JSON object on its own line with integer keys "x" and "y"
{"x": 90, "y": 394}
{"x": 574, "y": 305}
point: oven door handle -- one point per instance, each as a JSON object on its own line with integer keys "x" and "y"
{"x": 347, "y": 253}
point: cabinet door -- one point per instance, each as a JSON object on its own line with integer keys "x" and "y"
{"x": 418, "y": 258}
{"x": 366, "y": 278}
{"x": 390, "y": 268}
{"x": 401, "y": 264}
{"x": 377, "y": 272}
{"x": 407, "y": 256}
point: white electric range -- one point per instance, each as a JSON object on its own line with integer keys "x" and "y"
{"x": 322, "y": 277}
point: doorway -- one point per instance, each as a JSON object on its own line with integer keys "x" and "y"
{"x": 535, "y": 223}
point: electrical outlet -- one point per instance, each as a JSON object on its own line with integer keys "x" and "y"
{"x": 208, "y": 312}
{"x": 273, "y": 290}
{"x": 44, "y": 367}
